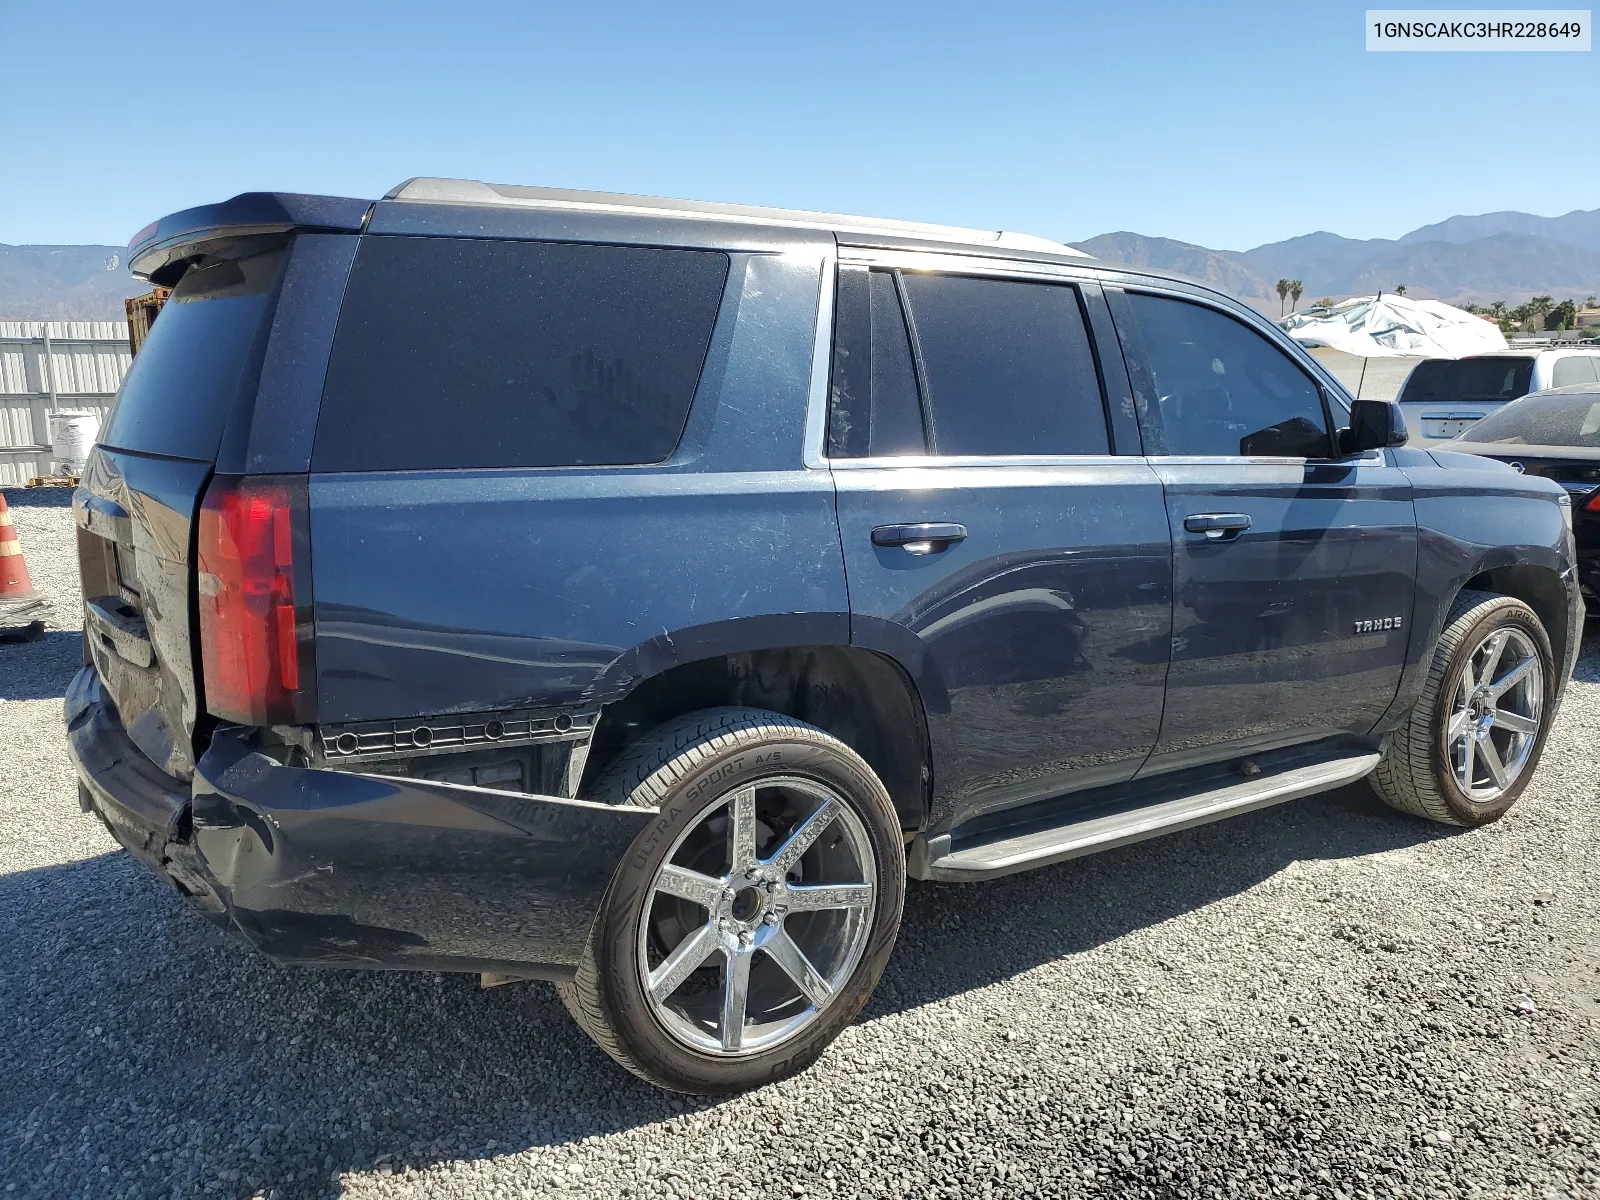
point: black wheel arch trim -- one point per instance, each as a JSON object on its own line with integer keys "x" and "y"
{"x": 1539, "y": 576}
{"x": 623, "y": 689}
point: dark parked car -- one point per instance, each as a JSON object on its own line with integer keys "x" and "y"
{"x": 1554, "y": 434}
{"x": 633, "y": 593}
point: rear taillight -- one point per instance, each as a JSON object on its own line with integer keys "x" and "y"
{"x": 255, "y": 603}
{"x": 1593, "y": 503}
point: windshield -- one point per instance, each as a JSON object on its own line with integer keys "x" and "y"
{"x": 1480, "y": 379}
{"x": 1542, "y": 421}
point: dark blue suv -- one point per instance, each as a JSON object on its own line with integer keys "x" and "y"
{"x": 633, "y": 593}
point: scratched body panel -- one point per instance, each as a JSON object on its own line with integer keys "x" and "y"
{"x": 457, "y": 591}
{"x": 340, "y": 869}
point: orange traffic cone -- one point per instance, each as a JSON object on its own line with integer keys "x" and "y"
{"x": 18, "y": 602}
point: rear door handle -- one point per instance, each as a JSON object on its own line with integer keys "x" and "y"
{"x": 926, "y": 537}
{"x": 1217, "y": 526}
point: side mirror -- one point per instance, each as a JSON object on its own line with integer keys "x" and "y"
{"x": 1374, "y": 425}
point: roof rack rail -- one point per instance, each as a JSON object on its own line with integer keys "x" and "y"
{"x": 429, "y": 190}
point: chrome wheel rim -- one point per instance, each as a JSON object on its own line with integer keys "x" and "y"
{"x": 757, "y": 917}
{"x": 1495, "y": 715}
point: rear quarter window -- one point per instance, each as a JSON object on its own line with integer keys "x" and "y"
{"x": 455, "y": 352}
{"x": 1576, "y": 368}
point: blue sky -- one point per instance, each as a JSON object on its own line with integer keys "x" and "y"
{"x": 1226, "y": 125}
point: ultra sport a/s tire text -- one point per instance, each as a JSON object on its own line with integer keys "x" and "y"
{"x": 751, "y": 920}
{"x": 1470, "y": 746}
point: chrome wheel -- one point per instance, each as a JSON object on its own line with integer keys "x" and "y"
{"x": 757, "y": 917}
{"x": 1495, "y": 714}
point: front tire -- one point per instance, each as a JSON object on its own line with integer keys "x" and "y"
{"x": 749, "y": 923}
{"x": 1470, "y": 746}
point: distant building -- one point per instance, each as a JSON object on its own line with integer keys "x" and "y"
{"x": 1587, "y": 318}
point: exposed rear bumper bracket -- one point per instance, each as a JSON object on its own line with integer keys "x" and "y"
{"x": 343, "y": 869}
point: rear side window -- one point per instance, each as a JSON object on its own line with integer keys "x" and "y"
{"x": 1579, "y": 368}
{"x": 1480, "y": 379}
{"x": 874, "y": 409}
{"x": 455, "y": 352}
{"x": 1007, "y": 367}
{"x": 203, "y": 354}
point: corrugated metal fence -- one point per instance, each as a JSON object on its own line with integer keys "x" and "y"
{"x": 47, "y": 366}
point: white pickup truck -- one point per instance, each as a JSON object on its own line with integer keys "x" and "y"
{"x": 1442, "y": 397}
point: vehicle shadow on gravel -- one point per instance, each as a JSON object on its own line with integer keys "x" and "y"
{"x": 39, "y": 497}
{"x": 252, "y": 1077}
{"x": 243, "y": 1077}
{"x": 956, "y": 937}
{"x": 125, "y": 1010}
{"x": 42, "y": 668}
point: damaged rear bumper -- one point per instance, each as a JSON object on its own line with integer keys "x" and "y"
{"x": 335, "y": 868}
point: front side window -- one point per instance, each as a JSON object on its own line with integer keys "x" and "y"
{"x": 457, "y": 352}
{"x": 1221, "y": 388}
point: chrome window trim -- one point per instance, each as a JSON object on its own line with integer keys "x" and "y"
{"x": 963, "y": 264}
{"x": 814, "y": 452}
{"x": 1250, "y": 319}
{"x": 815, "y": 448}
{"x": 816, "y": 456}
{"x": 922, "y": 462}
{"x": 1366, "y": 457}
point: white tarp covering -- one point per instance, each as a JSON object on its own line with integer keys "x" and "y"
{"x": 1394, "y": 327}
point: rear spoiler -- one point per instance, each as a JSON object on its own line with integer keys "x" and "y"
{"x": 160, "y": 250}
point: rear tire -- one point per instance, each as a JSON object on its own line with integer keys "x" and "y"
{"x": 1467, "y": 752}
{"x": 749, "y": 923}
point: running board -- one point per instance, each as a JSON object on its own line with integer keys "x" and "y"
{"x": 1040, "y": 848}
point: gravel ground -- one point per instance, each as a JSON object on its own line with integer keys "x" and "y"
{"x": 1324, "y": 999}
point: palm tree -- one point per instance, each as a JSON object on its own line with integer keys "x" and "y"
{"x": 1589, "y": 301}
{"x": 1498, "y": 309}
{"x": 1399, "y": 289}
{"x": 1296, "y": 289}
{"x": 1283, "y": 294}
{"x": 1537, "y": 307}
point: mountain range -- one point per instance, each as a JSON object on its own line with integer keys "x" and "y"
{"x": 65, "y": 283}
{"x": 1508, "y": 256}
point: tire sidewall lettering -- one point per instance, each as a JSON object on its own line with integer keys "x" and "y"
{"x": 1472, "y": 812}
{"x": 687, "y": 798}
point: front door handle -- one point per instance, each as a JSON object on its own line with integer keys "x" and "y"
{"x": 925, "y": 537}
{"x": 1217, "y": 526}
